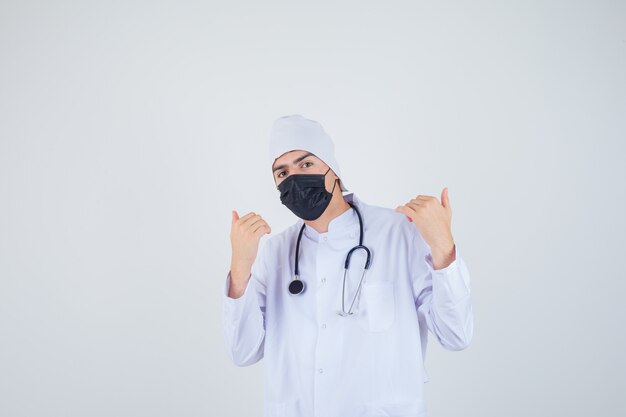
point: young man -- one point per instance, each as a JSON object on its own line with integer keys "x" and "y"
{"x": 340, "y": 345}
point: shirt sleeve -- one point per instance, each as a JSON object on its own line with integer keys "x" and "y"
{"x": 443, "y": 297}
{"x": 244, "y": 317}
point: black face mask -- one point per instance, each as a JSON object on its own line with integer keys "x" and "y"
{"x": 306, "y": 195}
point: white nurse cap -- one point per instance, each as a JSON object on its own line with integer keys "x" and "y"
{"x": 295, "y": 132}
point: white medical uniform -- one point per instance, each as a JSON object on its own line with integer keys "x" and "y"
{"x": 320, "y": 364}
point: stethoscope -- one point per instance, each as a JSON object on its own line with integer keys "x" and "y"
{"x": 297, "y": 285}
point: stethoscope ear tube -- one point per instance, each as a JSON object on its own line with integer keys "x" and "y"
{"x": 367, "y": 262}
{"x": 297, "y": 286}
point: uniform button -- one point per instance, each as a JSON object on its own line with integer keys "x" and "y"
{"x": 324, "y": 326}
{"x": 320, "y": 370}
{"x": 324, "y": 238}
{"x": 323, "y": 280}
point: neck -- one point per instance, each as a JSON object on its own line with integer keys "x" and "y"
{"x": 337, "y": 206}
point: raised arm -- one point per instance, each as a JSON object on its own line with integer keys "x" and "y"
{"x": 442, "y": 295}
{"x": 244, "y": 291}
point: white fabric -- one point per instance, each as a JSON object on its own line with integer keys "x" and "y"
{"x": 295, "y": 132}
{"x": 320, "y": 364}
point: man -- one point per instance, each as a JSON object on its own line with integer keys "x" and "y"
{"x": 320, "y": 361}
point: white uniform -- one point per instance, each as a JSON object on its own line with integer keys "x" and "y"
{"x": 320, "y": 364}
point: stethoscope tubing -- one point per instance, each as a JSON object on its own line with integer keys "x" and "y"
{"x": 296, "y": 286}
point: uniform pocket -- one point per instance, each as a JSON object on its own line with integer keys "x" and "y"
{"x": 378, "y": 307}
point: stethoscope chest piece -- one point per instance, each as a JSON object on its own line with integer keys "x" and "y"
{"x": 296, "y": 286}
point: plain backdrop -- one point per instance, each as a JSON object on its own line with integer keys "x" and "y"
{"x": 130, "y": 130}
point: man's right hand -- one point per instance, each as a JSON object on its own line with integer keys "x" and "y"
{"x": 245, "y": 233}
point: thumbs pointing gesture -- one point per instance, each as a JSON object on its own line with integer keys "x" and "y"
{"x": 434, "y": 222}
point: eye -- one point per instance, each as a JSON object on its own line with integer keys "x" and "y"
{"x": 307, "y": 163}
{"x": 280, "y": 174}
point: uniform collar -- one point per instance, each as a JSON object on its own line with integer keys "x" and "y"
{"x": 343, "y": 224}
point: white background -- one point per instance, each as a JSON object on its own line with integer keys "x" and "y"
{"x": 130, "y": 130}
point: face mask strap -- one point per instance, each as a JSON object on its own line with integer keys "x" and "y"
{"x": 334, "y": 185}
{"x": 335, "y": 180}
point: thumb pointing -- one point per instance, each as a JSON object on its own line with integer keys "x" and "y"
{"x": 445, "y": 201}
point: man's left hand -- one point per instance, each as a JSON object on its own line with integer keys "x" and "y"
{"x": 433, "y": 219}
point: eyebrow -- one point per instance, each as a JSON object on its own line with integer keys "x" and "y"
{"x": 295, "y": 161}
